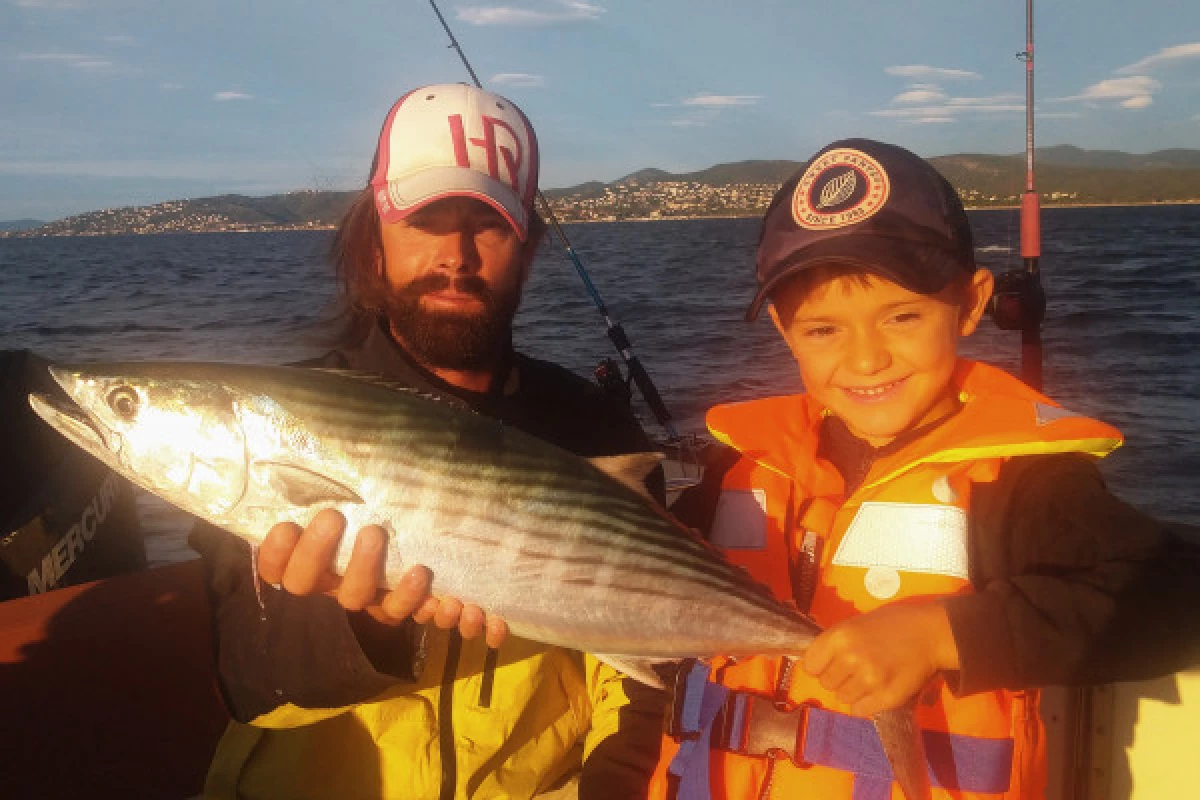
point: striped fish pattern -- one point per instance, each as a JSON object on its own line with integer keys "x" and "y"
{"x": 569, "y": 551}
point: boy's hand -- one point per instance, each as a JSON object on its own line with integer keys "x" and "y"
{"x": 302, "y": 562}
{"x": 880, "y": 660}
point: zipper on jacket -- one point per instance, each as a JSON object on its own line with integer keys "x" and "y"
{"x": 489, "y": 677}
{"x": 446, "y": 717}
{"x": 804, "y": 557}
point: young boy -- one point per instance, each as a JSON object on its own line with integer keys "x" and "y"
{"x": 943, "y": 521}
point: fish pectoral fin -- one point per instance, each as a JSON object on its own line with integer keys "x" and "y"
{"x": 640, "y": 669}
{"x": 904, "y": 747}
{"x": 629, "y": 469}
{"x": 301, "y": 486}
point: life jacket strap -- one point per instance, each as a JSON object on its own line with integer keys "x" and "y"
{"x": 748, "y": 724}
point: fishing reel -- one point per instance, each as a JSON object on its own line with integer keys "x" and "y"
{"x": 1018, "y": 302}
{"x": 608, "y": 375}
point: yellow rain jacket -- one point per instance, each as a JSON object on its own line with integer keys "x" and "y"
{"x": 520, "y": 720}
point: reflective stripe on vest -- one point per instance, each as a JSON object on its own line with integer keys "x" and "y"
{"x": 831, "y": 739}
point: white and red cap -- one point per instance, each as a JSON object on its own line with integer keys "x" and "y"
{"x": 454, "y": 140}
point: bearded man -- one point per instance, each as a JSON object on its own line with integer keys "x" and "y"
{"x": 338, "y": 689}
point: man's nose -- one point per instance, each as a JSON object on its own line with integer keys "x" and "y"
{"x": 457, "y": 252}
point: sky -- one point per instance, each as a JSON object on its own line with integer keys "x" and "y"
{"x": 110, "y": 103}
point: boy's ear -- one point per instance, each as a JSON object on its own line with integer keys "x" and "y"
{"x": 975, "y": 301}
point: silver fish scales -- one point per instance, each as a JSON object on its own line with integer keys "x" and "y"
{"x": 566, "y": 552}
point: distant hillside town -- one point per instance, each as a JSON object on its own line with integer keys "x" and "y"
{"x": 1065, "y": 176}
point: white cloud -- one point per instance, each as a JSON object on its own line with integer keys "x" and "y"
{"x": 54, "y": 5}
{"x": 170, "y": 87}
{"x": 946, "y": 111}
{"x": 914, "y": 96}
{"x": 75, "y": 60}
{"x": 926, "y": 103}
{"x": 568, "y": 11}
{"x": 923, "y": 72}
{"x": 1163, "y": 57}
{"x": 222, "y": 97}
{"x": 722, "y": 100}
{"x": 1134, "y": 92}
{"x": 121, "y": 39}
{"x": 518, "y": 80}
{"x": 67, "y": 57}
{"x": 997, "y": 102}
{"x": 706, "y": 107}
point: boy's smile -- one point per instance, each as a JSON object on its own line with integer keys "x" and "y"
{"x": 880, "y": 356}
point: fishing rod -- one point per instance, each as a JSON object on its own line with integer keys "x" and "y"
{"x": 616, "y": 333}
{"x": 1020, "y": 300}
{"x": 1031, "y": 232}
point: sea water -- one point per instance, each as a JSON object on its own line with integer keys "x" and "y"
{"x": 1121, "y": 337}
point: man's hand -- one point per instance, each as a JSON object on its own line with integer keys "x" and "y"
{"x": 302, "y": 562}
{"x": 880, "y": 660}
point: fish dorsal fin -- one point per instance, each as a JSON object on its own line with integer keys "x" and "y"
{"x": 301, "y": 486}
{"x": 375, "y": 379}
{"x": 629, "y": 469}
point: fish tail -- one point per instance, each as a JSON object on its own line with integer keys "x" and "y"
{"x": 905, "y": 750}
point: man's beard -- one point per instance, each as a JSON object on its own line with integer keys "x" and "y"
{"x": 452, "y": 339}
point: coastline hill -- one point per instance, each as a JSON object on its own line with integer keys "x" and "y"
{"x": 1066, "y": 175}
{"x": 20, "y": 224}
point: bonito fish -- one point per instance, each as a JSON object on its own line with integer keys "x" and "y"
{"x": 570, "y": 551}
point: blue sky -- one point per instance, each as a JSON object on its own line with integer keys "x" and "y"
{"x": 107, "y": 103}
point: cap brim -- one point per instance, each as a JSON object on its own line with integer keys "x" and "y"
{"x": 414, "y": 192}
{"x": 915, "y": 266}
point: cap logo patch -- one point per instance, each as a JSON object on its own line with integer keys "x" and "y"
{"x": 494, "y": 150}
{"x": 838, "y": 190}
{"x": 842, "y": 187}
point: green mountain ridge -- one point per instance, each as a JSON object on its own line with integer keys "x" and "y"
{"x": 762, "y": 171}
{"x": 1066, "y": 175}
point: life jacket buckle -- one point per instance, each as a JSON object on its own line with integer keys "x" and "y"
{"x": 759, "y": 726}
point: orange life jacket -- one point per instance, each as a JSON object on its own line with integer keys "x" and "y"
{"x": 901, "y": 535}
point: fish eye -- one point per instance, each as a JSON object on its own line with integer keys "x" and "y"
{"x": 124, "y": 402}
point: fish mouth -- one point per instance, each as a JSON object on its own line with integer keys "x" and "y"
{"x": 69, "y": 419}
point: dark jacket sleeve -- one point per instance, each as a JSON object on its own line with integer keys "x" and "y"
{"x": 1075, "y": 587}
{"x": 275, "y": 648}
{"x": 696, "y": 506}
{"x": 622, "y": 764}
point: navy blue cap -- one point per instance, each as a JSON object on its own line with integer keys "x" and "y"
{"x": 865, "y": 204}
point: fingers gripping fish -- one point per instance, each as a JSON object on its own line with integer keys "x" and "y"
{"x": 570, "y": 551}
